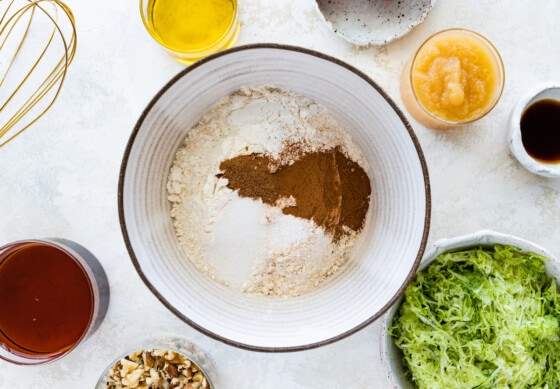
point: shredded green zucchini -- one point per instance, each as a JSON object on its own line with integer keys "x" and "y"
{"x": 481, "y": 318}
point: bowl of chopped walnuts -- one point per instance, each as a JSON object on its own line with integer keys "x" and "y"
{"x": 164, "y": 363}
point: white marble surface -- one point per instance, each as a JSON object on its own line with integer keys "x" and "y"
{"x": 60, "y": 177}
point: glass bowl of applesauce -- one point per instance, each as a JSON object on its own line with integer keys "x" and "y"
{"x": 456, "y": 77}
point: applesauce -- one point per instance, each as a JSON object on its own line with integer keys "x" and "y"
{"x": 454, "y": 78}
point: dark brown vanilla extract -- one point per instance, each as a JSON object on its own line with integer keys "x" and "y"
{"x": 540, "y": 130}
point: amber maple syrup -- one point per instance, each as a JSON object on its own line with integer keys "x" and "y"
{"x": 46, "y": 300}
{"x": 540, "y": 130}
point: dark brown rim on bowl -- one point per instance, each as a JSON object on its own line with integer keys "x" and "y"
{"x": 320, "y": 56}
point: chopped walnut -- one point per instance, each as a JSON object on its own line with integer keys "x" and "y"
{"x": 156, "y": 369}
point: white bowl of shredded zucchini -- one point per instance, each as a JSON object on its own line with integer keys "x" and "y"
{"x": 482, "y": 312}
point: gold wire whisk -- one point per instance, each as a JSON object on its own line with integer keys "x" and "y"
{"x": 37, "y": 82}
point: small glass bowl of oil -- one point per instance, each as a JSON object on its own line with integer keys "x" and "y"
{"x": 534, "y": 130}
{"x": 191, "y": 29}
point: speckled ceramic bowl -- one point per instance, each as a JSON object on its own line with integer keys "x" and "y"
{"x": 373, "y": 22}
{"x": 391, "y": 355}
{"x": 384, "y": 258}
{"x": 549, "y": 90}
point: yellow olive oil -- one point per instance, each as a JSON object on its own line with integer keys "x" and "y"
{"x": 193, "y": 25}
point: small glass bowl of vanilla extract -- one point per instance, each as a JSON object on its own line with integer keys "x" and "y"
{"x": 534, "y": 130}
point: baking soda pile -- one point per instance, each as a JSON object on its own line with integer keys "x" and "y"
{"x": 241, "y": 241}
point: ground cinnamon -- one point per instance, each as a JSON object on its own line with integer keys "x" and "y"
{"x": 326, "y": 187}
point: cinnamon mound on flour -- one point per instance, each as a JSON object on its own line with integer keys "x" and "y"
{"x": 324, "y": 186}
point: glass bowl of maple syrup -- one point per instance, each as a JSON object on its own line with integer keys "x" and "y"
{"x": 53, "y": 293}
{"x": 534, "y": 130}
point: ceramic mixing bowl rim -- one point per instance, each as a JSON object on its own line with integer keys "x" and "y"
{"x": 319, "y": 55}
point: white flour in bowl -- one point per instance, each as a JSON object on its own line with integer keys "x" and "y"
{"x": 240, "y": 241}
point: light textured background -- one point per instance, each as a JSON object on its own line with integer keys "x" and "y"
{"x": 60, "y": 177}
